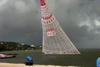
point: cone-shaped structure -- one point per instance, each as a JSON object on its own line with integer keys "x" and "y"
{"x": 55, "y": 41}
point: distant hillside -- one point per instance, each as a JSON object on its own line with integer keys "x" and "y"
{"x": 8, "y": 46}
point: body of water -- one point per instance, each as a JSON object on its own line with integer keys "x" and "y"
{"x": 87, "y": 58}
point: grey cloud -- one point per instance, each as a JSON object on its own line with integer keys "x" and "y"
{"x": 20, "y": 26}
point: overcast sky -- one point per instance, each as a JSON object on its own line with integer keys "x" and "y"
{"x": 80, "y": 19}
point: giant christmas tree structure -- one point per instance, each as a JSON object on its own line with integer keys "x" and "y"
{"x": 55, "y": 40}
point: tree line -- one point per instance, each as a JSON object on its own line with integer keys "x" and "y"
{"x": 8, "y": 46}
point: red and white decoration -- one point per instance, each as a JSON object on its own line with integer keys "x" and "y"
{"x": 48, "y": 20}
{"x": 51, "y": 32}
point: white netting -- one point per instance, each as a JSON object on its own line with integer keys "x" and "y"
{"x": 55, "y": 41}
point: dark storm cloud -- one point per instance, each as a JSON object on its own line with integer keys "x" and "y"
{"x": 20, "y": 22}
{"x": 80, "y": 19}
{"x": 81, "y": 22}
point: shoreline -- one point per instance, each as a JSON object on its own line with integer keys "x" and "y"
{"x": 23, "y": 65}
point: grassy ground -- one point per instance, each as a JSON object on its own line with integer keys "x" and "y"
{"x": 86, "y": 59}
